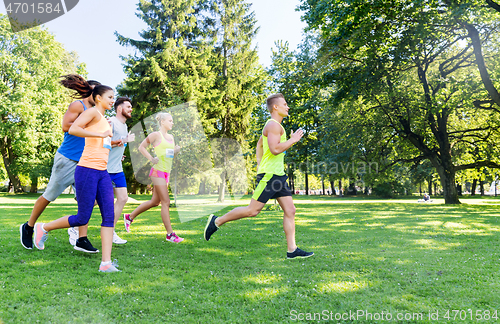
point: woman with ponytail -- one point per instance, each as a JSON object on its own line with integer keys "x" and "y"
{"x": 65, "y": 161}
{"x": 92, "y": 180}
{"x": 165, "y": 148}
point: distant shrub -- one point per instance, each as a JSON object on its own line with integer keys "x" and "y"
{"x": 384, "y": 190}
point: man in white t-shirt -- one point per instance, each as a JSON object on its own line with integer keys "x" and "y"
{"x": 123, "y": 108}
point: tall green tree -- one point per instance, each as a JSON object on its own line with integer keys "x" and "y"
{"x": 416, "y": 68}
{"x": 294, "y": 75}
{"x": 171, "y": 64}
{"x": 200, "y": 51}
{"x": 240, "y": 79}
{"x": 32, "y": 102}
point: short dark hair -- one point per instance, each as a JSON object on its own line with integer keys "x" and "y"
{"x": 121, "y": 100}
{"x": 271, "y": 99}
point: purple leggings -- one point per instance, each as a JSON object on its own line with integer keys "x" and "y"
{"x": 92, "y": 185}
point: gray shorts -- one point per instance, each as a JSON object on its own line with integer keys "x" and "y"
{"x": 62, "y": 176}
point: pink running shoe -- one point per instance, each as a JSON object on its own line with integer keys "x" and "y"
{"x": 172, "y": 237}
{"x": 127, "y": 221}
{"x": 40, "y": 236}
{"x": 110, "y": 267}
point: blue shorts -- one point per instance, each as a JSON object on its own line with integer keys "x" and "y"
{"x": 118, "y": 180}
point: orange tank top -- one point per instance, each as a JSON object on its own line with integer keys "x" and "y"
{"x": 96, "y": 151}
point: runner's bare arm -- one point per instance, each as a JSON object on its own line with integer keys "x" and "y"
{"x": 259, "y": 150}
{"x": 118, "y": 142}
{"x": 90, "y": 116}
{"x": 151, "y": 139}
{"x": 273, "y": 131}
{"x": 74, "y": 110}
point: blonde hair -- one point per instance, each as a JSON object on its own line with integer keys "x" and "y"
{"x": 271, "y": 99}
{"x": 161, "y": 117}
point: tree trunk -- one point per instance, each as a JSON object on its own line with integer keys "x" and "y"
{"x": 8, "y": 160}
{"x": 201, "y": 189}
{"x": 307, "y": 183}
{"x": 447, "y": 178}
{"x": 133, "y": 189}
{"x": 291, "y": 182}
{"x": 481, "y": 187}
{"x": 34, "y": 184}
{"x": 351, "y": 190}
{"x": 332, "y": 187}
{"x": 473, "y": 187}
{"x": 222, "y": 187}
{"x": 429, "y": 186}
{"x": 323, "y": 184}
{"x": 14, "y": 181}
{"x": 340, "y": 187}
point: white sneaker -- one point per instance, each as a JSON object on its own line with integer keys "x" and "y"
{"x": 117, "y": 239}
{"x": 74, "y": 234}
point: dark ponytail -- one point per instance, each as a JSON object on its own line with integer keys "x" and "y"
{"x": 82, "y": 87}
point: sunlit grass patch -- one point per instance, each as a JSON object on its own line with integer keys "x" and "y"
{"x": 340, "y": 287}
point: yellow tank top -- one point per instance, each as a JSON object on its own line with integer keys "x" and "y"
{"x": 165, "y": 153}
{"x": 271, "y": 163}
{"x": 96, "y": 151}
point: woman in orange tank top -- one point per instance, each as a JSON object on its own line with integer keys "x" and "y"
{"x": 92, "y": 180}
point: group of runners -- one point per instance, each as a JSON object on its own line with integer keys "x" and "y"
{"x": 90, "y": 158}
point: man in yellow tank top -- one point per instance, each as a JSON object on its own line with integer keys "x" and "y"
{"x": 271, "y": 178}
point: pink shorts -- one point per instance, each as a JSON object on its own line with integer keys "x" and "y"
{"x": 159, "y": 174}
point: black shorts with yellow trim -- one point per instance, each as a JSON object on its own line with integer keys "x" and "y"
{"x": 271, "y": 186}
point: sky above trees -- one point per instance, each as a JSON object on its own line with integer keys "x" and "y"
{"x": 92, "y": 24}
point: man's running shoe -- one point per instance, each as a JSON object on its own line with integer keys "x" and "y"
{"x": 83, "y": 244}
{"x": 109, "y": 267}
{"x": 117, "y": 239}
{"x": 40, "y": 236}
{"x": 298, "y": 253}
{"x": 211, "y": 227}
{"x": 26, "y": 236}
{"x": 74, "y": 234}
{"x": 172, "y": 237}
{"x": 127, "y": 221}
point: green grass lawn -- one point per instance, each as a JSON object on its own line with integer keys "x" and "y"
{"x": 393, "y": 256}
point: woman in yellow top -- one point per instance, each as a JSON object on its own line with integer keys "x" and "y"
{"x": 92, "y": 180}
{"x": 165, "y": 148}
